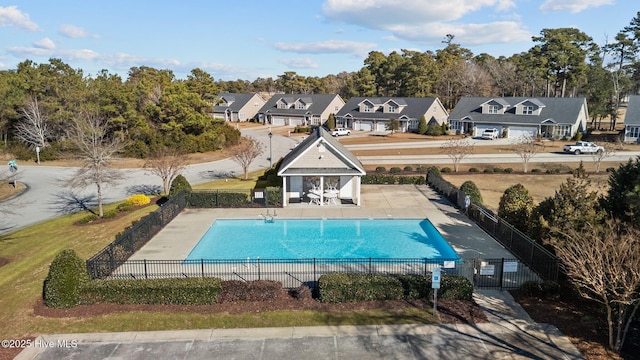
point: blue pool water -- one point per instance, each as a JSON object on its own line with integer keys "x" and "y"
{"x": 322, "y": 238}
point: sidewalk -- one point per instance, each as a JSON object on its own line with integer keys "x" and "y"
{"x": 510, "y": 334}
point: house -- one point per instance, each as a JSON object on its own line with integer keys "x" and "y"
{"x": 374, "y": 113}
{"x": 300, "y": 109}
{"x": 515, "y": 117}
{"x": 632, "y": 120}
{"x": 238, "y": 107}
{"x": 318, "y": 166}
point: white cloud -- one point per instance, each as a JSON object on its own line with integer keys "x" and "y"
{"x": 11, "y": 16}
{"x": 45, "y": 43}
{"x": 573, "y": 6}
{"x": 428, "y": 21}
{"x": 299, "y": 63}
{"x": 74, "y": 32}
{"x": 3, "y": 65}
{"x": 327, "y": 47}
{"x": 378, "y": 14}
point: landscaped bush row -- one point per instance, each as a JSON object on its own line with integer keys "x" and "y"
{"x": 343, "y": 287}
{"x": 218, "y": 199}
{"x": 182, "y": 291}
{"x": 420, "y": 169}
{"x": 393, "y": 179}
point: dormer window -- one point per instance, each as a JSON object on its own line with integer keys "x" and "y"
{"x": 392, "y": 108}
{"x": 367, "y": 108}
{"x": 493, "y": 109}
{"x": 301, "y": 106}
{"x": 282, "y": 106}
{"x": 527, "y": 110}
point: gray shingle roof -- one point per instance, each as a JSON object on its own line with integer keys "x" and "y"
{"x": 632, "y": 117}
{"x": 239, "y": 100}
{"x": 414, "y": 109}
{"x": 319, "y": 103}
{"x": 556, "y": 110}
{"x": 318, "y": 135}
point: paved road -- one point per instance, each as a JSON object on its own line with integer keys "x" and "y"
{"x": 47, "y": 197}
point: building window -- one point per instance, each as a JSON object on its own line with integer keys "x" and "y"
{"x": 367, "y": 108}
{"x": 282, "y": 106}
{"x": 336, "y": 108}
{"x": 633, "y": 132}
{"x": 242, "y": 116}
{"x": 527, "y": 110}
{"x": 494, "y": 109}
{"x": 300, "y": 106}
{"x": 392, "y": 109}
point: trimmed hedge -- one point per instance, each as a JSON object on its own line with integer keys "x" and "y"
{"x": 63, "y": 285}
{"x": 380, "y": 179}
{"x": 182, "y": 291}
{"x": 340, "y": 287}
{"x": 218, "y": 199}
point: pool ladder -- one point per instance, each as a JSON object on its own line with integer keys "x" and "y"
{"x": 269, "y": 217}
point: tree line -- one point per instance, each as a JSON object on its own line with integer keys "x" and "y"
{"x": 152, "y": 109}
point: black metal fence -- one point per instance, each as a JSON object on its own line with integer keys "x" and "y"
{"x": 522, "y": 246}
{"x": 488, "y": 273}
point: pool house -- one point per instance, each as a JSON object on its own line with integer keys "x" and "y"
{"x": 320, "y": 171}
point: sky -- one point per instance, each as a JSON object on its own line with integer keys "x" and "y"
{"x": 248, "y": 39}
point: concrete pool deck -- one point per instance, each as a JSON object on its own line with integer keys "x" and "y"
{"x": 176, "y": 240}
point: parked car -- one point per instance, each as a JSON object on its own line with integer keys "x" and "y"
{"x": 340, "y": 132}
{"x": 490, "y": 134}
{"x": 583, "y": 147}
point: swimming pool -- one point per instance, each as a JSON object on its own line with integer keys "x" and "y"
{"x": 322, "y": 238}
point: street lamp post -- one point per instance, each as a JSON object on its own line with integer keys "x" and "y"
{"x": 270, "y": 159}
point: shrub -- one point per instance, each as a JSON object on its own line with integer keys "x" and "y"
{"x": 535, "y": 170}
{"x": 508, "y": 170}
{"x": 497, "y": 169}
{"x": 89, "y": 218}
{"x": 179, "y": 184}
{"x": 395, "y": 170}
{"x": 469, "y": 188}
{"x": 473, "y": 170}
{"x": 415, "y": 286}
{"x": 138, "y": 200}
{"x": 258, "y": 290}
{"x": 338, "y": 287}
{"x": 302, "y": 292}
{"x": 487, "y": 170}
{"x": 422, "y": 169}
{"x": 381, "y": 169}
{"x": 446, "y": 170}
{"x": 63, "y": 285}
{"x": 455, "y": 287}
{"x": 125, "y": 206}
{"x": 408, "y": 168}
{"x": 110, "y": 214}
{"x": 182, "y": 291}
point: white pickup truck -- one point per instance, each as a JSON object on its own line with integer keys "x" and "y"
{"x": 583, "y": 147}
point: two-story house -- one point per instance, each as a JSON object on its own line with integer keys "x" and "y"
{"x": 515, "y": 117}
{"x": 374, "y": 113}
{"x": 237, "y": 107}
{"x": 299, "y": 109}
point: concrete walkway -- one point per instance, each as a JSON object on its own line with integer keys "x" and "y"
{"x": 509, "y": 334}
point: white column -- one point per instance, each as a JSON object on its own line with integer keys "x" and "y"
{"x": 285, "y": 198}
{"x": 358, "y": 178}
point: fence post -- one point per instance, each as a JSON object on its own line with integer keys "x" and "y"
{"x": 501, "y": 273}
{"x": 145, "y": 268}
{"x": 369, "y": 265}
{"x": 315, "y": 275}
{"x": 258, "y": 263}
{"x": 202, "y": 267}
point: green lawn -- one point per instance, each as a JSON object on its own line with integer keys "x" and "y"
{"x": 31, "y": 250}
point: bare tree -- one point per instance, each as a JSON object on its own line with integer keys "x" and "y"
{"x": 598, "y": 157}
{"x": 33, "y": 129}
{"x": 167, "y": 164}
{"x": 526, "y": 148}
{"x": 457, "y": 149}
{"x": 604, "y": 264}
{"x": 96, "y": 149}
{"x": 246, "y": 152}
